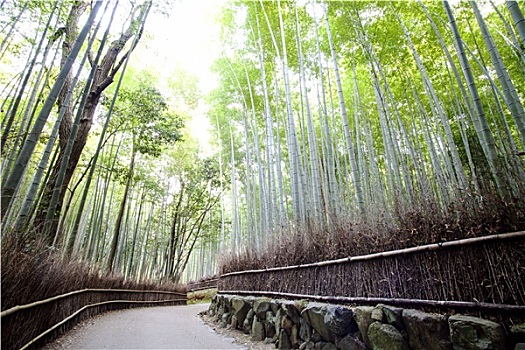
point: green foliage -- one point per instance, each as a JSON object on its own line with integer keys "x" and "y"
{"x": 397, "y": 127}
{"x": 142, "y": 112}
{"x": 411, "y": 125}
{"x": 185, "y": 90}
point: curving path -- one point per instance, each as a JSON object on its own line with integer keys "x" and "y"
{"x": 170, "y": 327}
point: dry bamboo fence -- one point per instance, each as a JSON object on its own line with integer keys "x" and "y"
{"x": 30, "y": 325}
{"x": 202, "y": 285}
{"x": 486, "y": 274}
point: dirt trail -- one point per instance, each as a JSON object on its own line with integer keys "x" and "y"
{"x": 173, "y": 327}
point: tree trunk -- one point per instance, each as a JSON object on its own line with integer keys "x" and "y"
{"x": 512, "y": 99}
{"x": 349, "y": 143}
{"x": 104, "y": 76}
{"x": 480, "y": 122}
{"x": 14, "y": 179}
{"x": 120, "y": 217}
{"x": 519, "y": 21}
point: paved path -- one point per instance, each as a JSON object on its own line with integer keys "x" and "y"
{"x": 170, "y": 327}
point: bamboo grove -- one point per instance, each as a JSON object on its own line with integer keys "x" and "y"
{"x": 328, "y": 115}
{"x": 97, "y": 165}
{"x": 383, "y": 114}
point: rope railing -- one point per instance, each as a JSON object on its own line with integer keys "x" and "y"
{"x": 390, "y": 253}
{"x": 61, "y": 296}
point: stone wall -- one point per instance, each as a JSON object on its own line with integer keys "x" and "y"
{"x": 304, "y": 325}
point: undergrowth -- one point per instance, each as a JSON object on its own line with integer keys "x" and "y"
{"x": 424, "y": 223}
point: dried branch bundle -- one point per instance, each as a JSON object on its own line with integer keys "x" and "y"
{"x": 418, "y": 249}
{"x": 489, "y": 271}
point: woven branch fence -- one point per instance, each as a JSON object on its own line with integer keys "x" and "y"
{"x": 485, "y": 274}
{"x": 31, "y": 325}
{"x": 202, "y": 285}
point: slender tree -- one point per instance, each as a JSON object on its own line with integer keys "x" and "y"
{"x": 105, "y": 73}
{"x": 15, "y": 176}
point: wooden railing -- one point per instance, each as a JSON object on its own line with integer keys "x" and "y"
{"x": 29, "y": 325}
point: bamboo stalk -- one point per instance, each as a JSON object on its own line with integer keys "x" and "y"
{"x": 45, "y": 301}
{"x": 390, "y": 253}
{"x": 87, "y": 307}
{"x": 515, "y": 309}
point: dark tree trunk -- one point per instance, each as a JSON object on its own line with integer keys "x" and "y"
{"x": 104, "y": 76}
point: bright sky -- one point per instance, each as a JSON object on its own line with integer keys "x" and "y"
{"x": 187, "y": 39}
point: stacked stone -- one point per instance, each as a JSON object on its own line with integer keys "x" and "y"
{"x": 318, "y": 326}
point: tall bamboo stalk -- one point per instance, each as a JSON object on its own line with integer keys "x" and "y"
{"x": 342, "y": 107}
{"x": 480, "y": 121}
{"x": 15, "y": 177}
